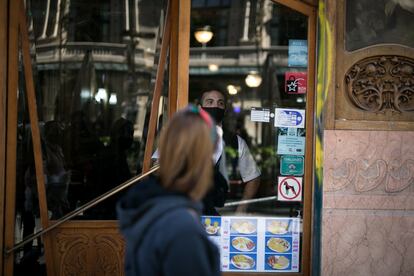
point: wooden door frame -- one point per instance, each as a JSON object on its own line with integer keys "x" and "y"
{"x": 310, "y": 11}
{"x": 179, "y": 55}
{"x": 3, "y": 108}
{"x": 178, "y": 88}
{"x": 178, "y": 98}
{"x": 177, "y": 33}
{"x": 9, "y": 47}
{"x": 306, "y": 259}
{"x": 11, "y": 131}
{"x": 18, "y": 39}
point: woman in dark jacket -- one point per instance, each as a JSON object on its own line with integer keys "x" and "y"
{"x": 159, "y": 217}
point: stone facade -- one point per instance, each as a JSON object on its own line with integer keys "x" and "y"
{"x": 368, "y": 203}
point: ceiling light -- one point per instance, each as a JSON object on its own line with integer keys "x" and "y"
{"x": 113, "y": 99}
{"x": 203, "y": 35}
{"x": 213, "y": 67}
{"x": 101, "y": 95}
{"x": 85, "y": 93}
{"x": 232, "y": 89}
{"x": 253, "y": 79}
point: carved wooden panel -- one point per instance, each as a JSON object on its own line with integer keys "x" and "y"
{"x": 89, "y": 248}
{"x": 371, "y": 88}
{"x": 380, "y": 84}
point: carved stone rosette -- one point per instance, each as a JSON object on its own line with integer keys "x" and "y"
{"x": 382, "y": 83}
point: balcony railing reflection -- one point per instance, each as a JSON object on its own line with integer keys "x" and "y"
{"x": 101, "y": 52}
{"x": 236, "y": 55}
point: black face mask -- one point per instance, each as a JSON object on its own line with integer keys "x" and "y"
{"x": 216, "y": 113}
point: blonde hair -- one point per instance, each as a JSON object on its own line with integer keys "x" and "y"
{"x": 186, "y": 149}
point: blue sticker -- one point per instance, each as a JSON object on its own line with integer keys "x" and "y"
{"x": 298, "y": 53}
{"x": 285, "y": 117}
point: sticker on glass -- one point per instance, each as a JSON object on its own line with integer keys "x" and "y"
{"x": 290, "y": 145}
{"x": 295, "y": 82}
{"x": 298, "y": 53}
{"x": 258, "y": 114}
{"x": 289, "y": 188}
{"x": 286, "y": 117}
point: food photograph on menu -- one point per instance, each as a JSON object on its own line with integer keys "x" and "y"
{"x": 244, "y": 244}
{"x": 212, "y": 225}
{"x": 279, "y": 245}
{"x": 243, "y": 226}
{"x": 277, "y": 227}
{"x": 277, "y": 262}
{"x": 243, "y": 261}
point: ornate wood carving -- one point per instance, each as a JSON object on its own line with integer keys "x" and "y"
{"x": 80, "y": 249}
{"x": 382, "y": 83}
{"x": 73, "y": 250}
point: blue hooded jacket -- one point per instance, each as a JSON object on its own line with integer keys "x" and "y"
{"x": 163, "y": 233}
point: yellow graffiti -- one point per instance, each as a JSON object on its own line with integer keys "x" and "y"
{"x": 319, "y": 157}
{"x": 325, "y": 61}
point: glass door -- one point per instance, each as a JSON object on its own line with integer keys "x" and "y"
{"x": 93, "y": 66}
{"x": 257, "y": 58}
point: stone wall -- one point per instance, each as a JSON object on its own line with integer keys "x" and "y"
{"x": 368, "y": 203}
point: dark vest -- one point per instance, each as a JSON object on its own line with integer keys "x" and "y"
{"x": 217, "y": 195}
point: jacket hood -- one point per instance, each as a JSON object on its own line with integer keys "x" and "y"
{"x": 145, "y": 202}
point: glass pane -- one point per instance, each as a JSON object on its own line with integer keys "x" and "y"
{"x": 371, "y": 22}
{"x": 27, "y": 202}
{"x": 214, "y": 15}
{"x": 261, "y": 67}
{"x": 95, "y": 65}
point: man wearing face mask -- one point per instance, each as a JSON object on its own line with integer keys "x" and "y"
{"x": 214, "y": 102}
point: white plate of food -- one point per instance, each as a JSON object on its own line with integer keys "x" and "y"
{"x": 243, "y": 227}
{"x": 243, "y": 244}
{"x": 211, "y": 229}
{"x": 278, "y": 245}
{"x": 278, "y": 227}
{"x": 242, "y": 261}
{"x": 278, "y": 262}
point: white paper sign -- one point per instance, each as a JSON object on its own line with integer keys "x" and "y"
{"x": 285, "y": 117}
{"x": 258, "y": 114}
{"x": 290, "y": 145}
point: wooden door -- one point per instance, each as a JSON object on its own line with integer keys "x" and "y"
{"x": 85, "y": 73}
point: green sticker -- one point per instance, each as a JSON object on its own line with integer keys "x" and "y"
{"x": 291, "y": 165}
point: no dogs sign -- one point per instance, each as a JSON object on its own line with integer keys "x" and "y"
{"x": 289, "y": 188}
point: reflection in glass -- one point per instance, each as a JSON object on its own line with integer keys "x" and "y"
{"x": 279, "y": 27}
{"x": 270, "y": 39}
{"x": 371, "y": 22}
{"x": 27, "y": 203}
{"x": 94, "y": 65}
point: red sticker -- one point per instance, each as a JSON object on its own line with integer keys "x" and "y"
{"x": 295, "y": 82}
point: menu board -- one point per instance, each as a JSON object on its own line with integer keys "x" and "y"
{"x": 255, "y": 244}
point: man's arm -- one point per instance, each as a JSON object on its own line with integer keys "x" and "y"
{"x": 249, "y": 172}
{"x": 250, "y": 190}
